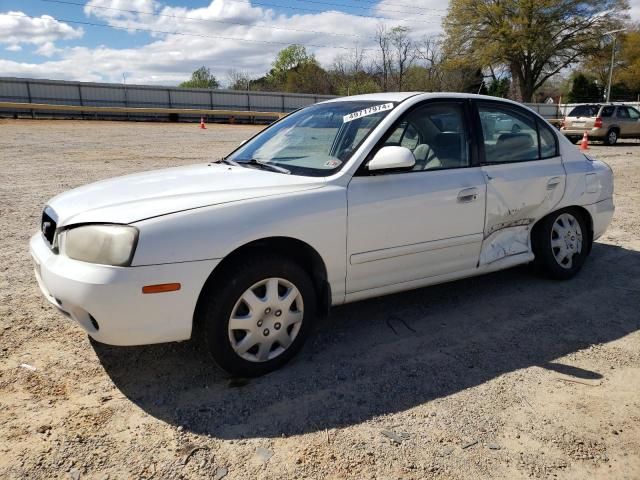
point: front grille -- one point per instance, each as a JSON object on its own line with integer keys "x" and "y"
{"x": 48, "y": 226}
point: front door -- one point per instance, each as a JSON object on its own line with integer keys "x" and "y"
{"x": 524, "y": 174}
{"x": 421, "y": 223}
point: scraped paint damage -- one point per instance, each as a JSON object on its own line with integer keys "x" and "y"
{"x": 510, "y": 239}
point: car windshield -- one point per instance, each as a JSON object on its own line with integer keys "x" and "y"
{"x": 585, "y": 111}
{"x": 315, "y": 140}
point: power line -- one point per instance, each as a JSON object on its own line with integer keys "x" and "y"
{"x": 319, "y": 2}
{"x": 186, "y": 34}
{"x": 140, "y": 12}
{"x": 262, "y": 4}
{"x": 375, "y": 2}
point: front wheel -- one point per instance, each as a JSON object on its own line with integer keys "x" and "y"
{"x": 561, "y": 244}
{"x": 258, "y": 316}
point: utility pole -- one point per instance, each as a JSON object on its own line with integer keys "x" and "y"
{"x": 613, "y": 55}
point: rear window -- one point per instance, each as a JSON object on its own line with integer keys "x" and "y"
{"x": 585, "y": 111}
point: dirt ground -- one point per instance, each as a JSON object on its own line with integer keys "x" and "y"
{"x": 503, "y": 376}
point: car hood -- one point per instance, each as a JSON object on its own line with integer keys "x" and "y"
{"x": 150, "y": 194}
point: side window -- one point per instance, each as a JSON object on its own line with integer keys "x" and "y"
{"x": 607, "y": 111}
{"x": 436, "y": 134}
{"x": 510, "y": 135}
{"x": 405, "y": 135}
{"x": 633, "y": 113}
{"x": 623, "y": 112}
{"x": 548, "y": 141}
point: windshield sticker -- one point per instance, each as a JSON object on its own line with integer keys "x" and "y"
{"x": 367, "y": 111}
{"x": 332, "y": 163}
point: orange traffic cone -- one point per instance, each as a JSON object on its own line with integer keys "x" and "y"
{"x": 584, "y": 144}
{"x": 203, "y": 126}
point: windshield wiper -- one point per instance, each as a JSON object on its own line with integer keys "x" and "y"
{"x": 265, "y": 165}
{"x": 228, "y": 161}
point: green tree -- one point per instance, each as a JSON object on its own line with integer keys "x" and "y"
{"x": 293, "y": 56}
{"x": 201, "y": 78}
{"x": 629, "y": 73}
{"x": 535, "y": 39}
{"x": 499, "y": 87}
{"x": 584, "y": 89}
{"x": 308, "y": 78}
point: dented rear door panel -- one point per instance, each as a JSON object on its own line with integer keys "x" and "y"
{"x": 518, "y": 194}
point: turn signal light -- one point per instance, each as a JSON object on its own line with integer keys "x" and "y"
{"x": 161, "y": 288}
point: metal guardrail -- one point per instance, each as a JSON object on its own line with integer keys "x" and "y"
{"x": 131, "y": 96}
{"x": 133, "y": 110}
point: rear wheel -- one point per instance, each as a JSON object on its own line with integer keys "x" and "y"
{"x": 259, "y": 316}
{"x": 612, "y": 137}
{"x": 561, "y": 244}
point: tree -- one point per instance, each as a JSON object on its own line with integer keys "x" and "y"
{"x": 238, "y": 80}
{"x": 404, "y": 53}
{"x": 584, "y": 90}
{"x": 287, "y": 59}
{"x": 201, "y": 78}
{"x": 384, "y": 64}
{"x": 429, "y": 75}
{"x": 308, "y": 78}
{"x": 629, "y": 73}
{"x": 626, "y": 70}
{"x": 535, "y": 39}
{"x": 498, "y": 87}
{"x": 350, "y": 76}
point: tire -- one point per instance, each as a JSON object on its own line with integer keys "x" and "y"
{"x": 515, "y": 128}
{"x": 268, "y": 323}
{"x": 612, "y": 137}
{"x": 561, "y": 255}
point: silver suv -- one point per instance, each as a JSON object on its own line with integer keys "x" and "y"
{"x": 602, "y": 122}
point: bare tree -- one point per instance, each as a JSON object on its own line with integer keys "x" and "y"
{"x": 349, "y": 72}
{"x": 383, "y": 39}
{"x": 429, "y": 56}
{"x": 404, "y": 53}
{"x": 238, "y": 79}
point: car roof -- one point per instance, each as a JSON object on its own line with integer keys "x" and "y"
{"x": 401, "y": 96}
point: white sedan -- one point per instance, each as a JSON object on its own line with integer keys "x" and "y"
{"x": 340, "y": 201}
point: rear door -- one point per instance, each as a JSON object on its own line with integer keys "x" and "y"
{"x": 524, "y": 175}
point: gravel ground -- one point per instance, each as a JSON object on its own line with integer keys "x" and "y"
{"x": 502, "y": 376}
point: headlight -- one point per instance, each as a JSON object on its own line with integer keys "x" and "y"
{"x": 104, "y": 244}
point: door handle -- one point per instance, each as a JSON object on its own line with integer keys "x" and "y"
{"x": 553, "y": 182}
{"x": 467, "y": 195}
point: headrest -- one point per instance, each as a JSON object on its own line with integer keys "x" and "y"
{"x": 515, "y": 140}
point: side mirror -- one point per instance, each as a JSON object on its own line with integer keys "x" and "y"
{"x": 391, "y": 158}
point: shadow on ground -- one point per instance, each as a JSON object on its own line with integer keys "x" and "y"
{"x": 389, "y": 354}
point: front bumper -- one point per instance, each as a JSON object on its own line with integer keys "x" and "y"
{"x": 108, "y": 303}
